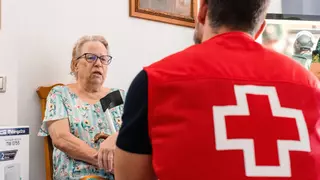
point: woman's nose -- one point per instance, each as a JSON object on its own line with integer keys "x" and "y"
{"x": 98, "y": 62}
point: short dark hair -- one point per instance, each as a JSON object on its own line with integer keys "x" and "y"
{"x": 240, "y": 15}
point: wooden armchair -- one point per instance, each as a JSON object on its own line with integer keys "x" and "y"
{"x": 48, "y": 148}
{"x": 43, "y": 92}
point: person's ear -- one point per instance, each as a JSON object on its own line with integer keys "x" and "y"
{"x": 75, "y": 66}
{"x": 203, "y": 10}
{"x": 261, "y": 29}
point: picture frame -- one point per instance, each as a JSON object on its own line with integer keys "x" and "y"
{"x": 177, "y": 12}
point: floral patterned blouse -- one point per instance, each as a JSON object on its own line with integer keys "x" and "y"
{"x": 85, "y": 120}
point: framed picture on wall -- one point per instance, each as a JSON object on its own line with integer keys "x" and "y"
{"x": 178, "y": 12}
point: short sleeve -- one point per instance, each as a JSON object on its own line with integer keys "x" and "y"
{"x": 55, "y": 109}
{"x": 134, "y": 136}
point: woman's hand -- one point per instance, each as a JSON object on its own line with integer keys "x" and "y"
{"x": 106, "y": 153}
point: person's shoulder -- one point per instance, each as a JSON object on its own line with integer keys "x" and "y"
{"x": 293, "y": 70}
{"x": 176, "y": 58}
{"x": 59, "y": 89}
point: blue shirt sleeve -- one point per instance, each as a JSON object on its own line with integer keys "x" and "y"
{"x": 55, "y": 109}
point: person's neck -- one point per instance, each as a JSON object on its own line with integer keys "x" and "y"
{"x": 92, "y": 90}
{"x": 208, "y": 32}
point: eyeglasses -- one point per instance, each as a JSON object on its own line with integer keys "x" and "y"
{"x": 90, "y": 58}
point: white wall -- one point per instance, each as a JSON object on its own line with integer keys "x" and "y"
{"x": 275, "y": 7}
{"x": 36, "y": 40}
{"x": 8, "y": 58}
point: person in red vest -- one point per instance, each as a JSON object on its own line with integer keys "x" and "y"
{"x": 224, "y": 109}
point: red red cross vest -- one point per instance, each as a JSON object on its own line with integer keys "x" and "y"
{"x": 230, "y": 109}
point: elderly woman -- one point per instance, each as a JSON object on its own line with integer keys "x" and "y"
{"x": 74, "y": 115}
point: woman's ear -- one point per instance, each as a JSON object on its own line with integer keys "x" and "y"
{"x": 76, "y": 67}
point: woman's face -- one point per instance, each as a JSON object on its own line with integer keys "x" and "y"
{"x": 89, "y": 70}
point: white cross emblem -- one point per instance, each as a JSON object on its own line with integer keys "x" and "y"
{"x": 247, "y": 145}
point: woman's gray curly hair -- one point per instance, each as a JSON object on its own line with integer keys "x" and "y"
{"x": 77, "y": 48}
